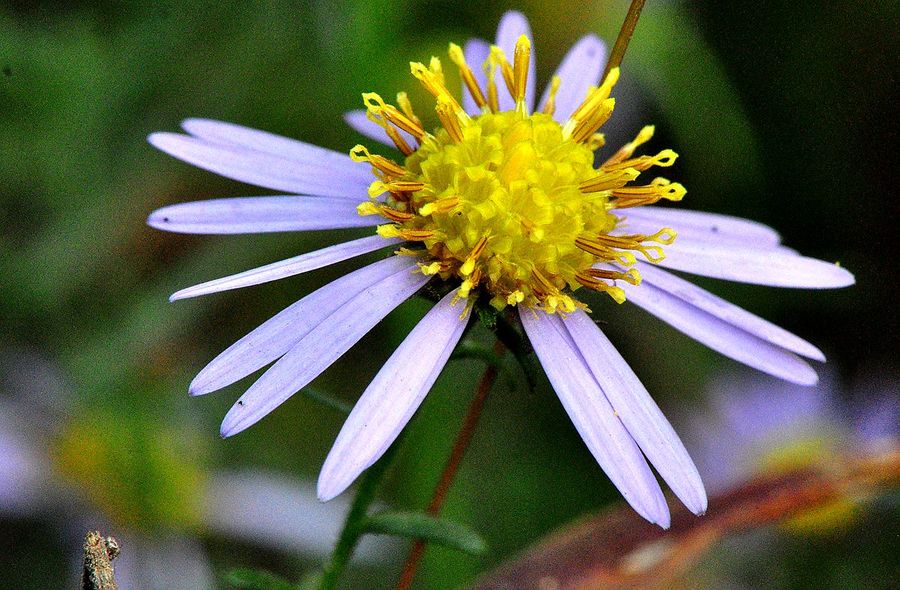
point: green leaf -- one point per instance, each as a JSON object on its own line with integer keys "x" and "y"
{"x": 250, "y": 579}
{"x": 428, "y": 528}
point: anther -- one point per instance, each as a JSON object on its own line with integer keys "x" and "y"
{"x": 467, "y": 75}
{"x": 520, "y": 71}
{"x": 434, "y": 83}
{"x": 386, "y": 166}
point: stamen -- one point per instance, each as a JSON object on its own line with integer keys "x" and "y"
{"x": 664, "y": 158}
{"x": 449, "y": 119}
{"x": 406, "y": 107}
{"x": 469, "y": 265}
{"x": 444, "y": 205}
{"x": 490, "y": 70}
{"x": 391, "y": 132}
{"x": 411, "y": 235}
{"x": 499, "y": 58}
{"x": 370, "y": 208}
{"x": 595, "y": 119}
{"x": 608, "y": 180}
{"x": 598, "y": 247}
{"x": 626, "y": 151}
{"x": 660, "y": 188}
{"x": 590, "y": 282}
{"x": 386, "y": 166}
{"x": 592, "y": 103}
{"x": 376, "y": 105}
{"x": 520, "y": 71}
{"x": 550, "y": 105}
{"x": 397, "y": 186}
{"x": 467, "y": 75}
{"x": 596, "y": 141}
{"x": 632, "y": 275}
{"x": 434, "y": 84}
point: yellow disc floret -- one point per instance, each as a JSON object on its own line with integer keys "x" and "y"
{"x": 510, "y": 203}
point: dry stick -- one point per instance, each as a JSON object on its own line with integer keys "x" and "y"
{"x": 97, "y": 571}
{"x": 460, "y": 445}
{"x": 625, "y": 33}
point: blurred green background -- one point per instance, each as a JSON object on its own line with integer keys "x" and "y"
{"x": 782, "y": 112}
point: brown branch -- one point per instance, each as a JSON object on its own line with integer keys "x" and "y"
{"x": 99, "y": 552}
{"x": 625, "y": 33}
{"x": 617, "y": 550}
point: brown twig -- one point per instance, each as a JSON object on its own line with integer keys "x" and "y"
{"x": 625, "y": 33}
{"x": 99, "y": 552}
{"x": 617, "y": 550}
{"x": 460, "y": 445}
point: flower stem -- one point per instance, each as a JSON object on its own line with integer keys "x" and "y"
{"x": 625, "y": 33}
{"x": 353, "y": 526}
{"x": 460, "y": 445}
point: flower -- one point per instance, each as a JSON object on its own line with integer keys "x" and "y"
{"x": 501, "y": 204}
{"x": 756, "y": 425}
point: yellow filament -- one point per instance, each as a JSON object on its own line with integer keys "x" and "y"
{"x": 467, "y": 75}
{"x": 550, "y": 105}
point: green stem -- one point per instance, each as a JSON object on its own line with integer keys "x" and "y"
{"x": 354, "y": 525}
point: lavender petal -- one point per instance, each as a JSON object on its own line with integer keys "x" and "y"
{"x": 697, "y": 225}
{"x": 775, "y": 268}
{"x": 312, "y": 177}
{"x": 593, "y": 416}
{"x": 579, "y": 70}
{"x": 392, "y": 398}
{"x": 722, "y": 337}
{"x": 727, "y": 312}
{"x": 280, "y": 333}
{"x": 220, "y": 132}
{"x": 638, "y": 412}
{"x": 288, "y": 268}
{"x": 320, "y": 347}
{"x": 250, "y": 215}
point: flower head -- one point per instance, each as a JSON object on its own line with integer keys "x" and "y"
{"x": 501, "y": 203}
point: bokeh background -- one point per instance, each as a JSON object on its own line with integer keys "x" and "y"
{"x": 784, "y": 112}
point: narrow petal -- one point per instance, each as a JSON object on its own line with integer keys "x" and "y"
{"x": 728, "y": 312}
{"x": 320, "y": 347}
{"x": 358, "y": 121}
{"x": 512, "y": 26}
{"x": 724, "y": 338}
{"x": 697, "y": 225}
{"x": 580, "y": 69}
{"x": 310, "y": 177}
{"x": 593, "y": 416}
{"x": 638, "y": 412}
{"x": 281, "y": 332}
{"x": 392, "y": 398}
{"x": 476, "y": 52}
{"x": 775, "y": 268}
{"x": 288, "y": 268}
{"x": 251, "y": 215}
{"x": 219, "y": 132}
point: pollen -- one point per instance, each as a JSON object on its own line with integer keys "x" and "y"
{"x": 510, "y": 205}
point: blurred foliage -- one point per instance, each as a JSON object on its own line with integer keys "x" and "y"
{"x": 782, "y": 112}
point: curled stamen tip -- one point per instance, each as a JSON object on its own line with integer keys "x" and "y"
{"x": 359, "y": 153}
{"x": 665, "y": 158}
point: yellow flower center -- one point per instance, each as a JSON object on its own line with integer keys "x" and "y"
{"x": 510, "y": 203}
